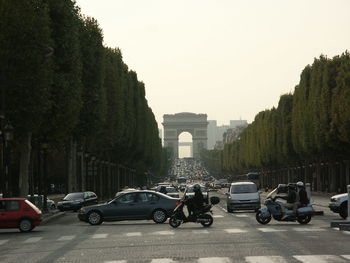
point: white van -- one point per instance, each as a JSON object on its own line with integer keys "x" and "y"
{"x": 243, "y": 196}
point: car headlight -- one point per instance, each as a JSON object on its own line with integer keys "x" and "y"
{"x": 335, "y": 199}
{"x": 82, "y": 210}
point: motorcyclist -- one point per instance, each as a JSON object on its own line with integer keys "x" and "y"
{"x": 291, "y": 199}
{"x": 195, "y": 203}
{"x": 303, "y": 199}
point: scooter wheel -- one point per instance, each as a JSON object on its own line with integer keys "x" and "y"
{"x": 174, "y": 222}
{"x": 303, "y": 220}
{"x": 261, "y": 219}
{"x": 209, "y": 222}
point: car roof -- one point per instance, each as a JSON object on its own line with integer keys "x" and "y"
{"x": 238, "y": 183}
{"x": 12, "y": 199}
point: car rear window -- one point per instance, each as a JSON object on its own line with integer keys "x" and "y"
{"x": 74, "y": 196}
{"x": 243, "y": 188}
{"x": 11, "y": 205}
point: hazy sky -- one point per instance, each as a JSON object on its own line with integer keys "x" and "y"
{"x": 226, "y": 58}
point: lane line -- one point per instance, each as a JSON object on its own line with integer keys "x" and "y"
{"x": 200, "y": 231}
{"x": 319, "y": 258}
{"x": 265, "y": 259}
{"x": 270, "y": 230}
{"x": 133, "y": 234}
{"x": 95, "y": 236}
{"x": 65, "y": 238}
{"x": 241, "y": 215}
{"x": 235, "y": 230}
{"x": 32, "y": 240}
{"x": 3, "y": 241}
{"x": 116, "y": 261}
{"x": 304, "y": 229}
{"x": 217, "y": 216}
{"x": 214, "y": 260}
{"x": 346, "y": 256}
{"x": 163, "y": 233}
{"x": 162, "y": 260}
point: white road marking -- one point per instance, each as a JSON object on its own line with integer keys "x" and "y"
{"x": 235, "y": 230}
{"x": 99, "y": 236}
{"x": 335, "y": 228}
{"x": 200, "y": 231}
{"x": 133, "y": 234}
{"x": 270, "y": 229}
{"x": 164, "y": 233}
{"x": 162, "y": 260}
{"x": 319, "y": 258}
{"x": 33, "y": 239}
{"x": 214, "y": 260}
{"x": 346, "y": 256}
{"x": 305, "y": 229}
{"x": 217, "y": 216}
{"x": 346, "y": 232}
{"x": 65, "y": 238}
{"x": 241, "y": 216}
{"x": 265, "y": 259}
{"x": 3, "y": 241}
{"x": 116, "y": 261}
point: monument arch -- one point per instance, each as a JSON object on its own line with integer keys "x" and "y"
{"x": 195, "y": 124}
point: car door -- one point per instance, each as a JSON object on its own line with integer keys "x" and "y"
{"x": 10, "y": 215}
{"x": 3, "y": 215}
{"x": 125, "y": 207}
{"x": 146, "y": 203}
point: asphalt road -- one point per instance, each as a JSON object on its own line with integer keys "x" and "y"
{"x": 235, "y": 237}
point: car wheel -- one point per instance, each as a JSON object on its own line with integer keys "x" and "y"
{"x": 53, "y": 207}
{"x": 229, "y": 210}
{"x": 159, "y": 216}
{"x": 25, "y": 225}
{"x": 344, "y": 210}
{"x": 95, "y": 218}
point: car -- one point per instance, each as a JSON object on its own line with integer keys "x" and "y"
{"x": 339, "y": 204}
{"x": 131, "y": 205}
{"x": 243, "y": 196}
{"x": 75, "y": 201}
{"x": 171, "y": 191}
{"x": 19, "y": 213}
{"x": 190, "y": 193}
{"x": 38, "y": 200}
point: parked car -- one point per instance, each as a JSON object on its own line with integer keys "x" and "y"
{"x": 171, "y": 191}
{"x": 75, "y": 201}
{"x": 38, "y": 200}
{"x": 189, "y": 192}
{"x": 243, "y": 196}
{"x": 339, "y": 204}
{"x": 131, "y": 205}
{"x": 19, "y": 213}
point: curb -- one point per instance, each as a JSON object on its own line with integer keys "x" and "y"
{"x": 50, "y": 217}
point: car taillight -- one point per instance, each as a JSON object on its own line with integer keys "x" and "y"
{"x": 177, "y": 203}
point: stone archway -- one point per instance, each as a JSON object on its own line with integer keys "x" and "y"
{"x": 195, "y": 124}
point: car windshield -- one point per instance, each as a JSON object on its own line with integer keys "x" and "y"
{"x": 243, "y": 188}
{"x": 190, "y": 189}
{"x": 74, "y": 196}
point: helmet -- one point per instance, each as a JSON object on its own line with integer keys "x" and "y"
{"x": 300, "y": 184}
{"x": 196, "y": 188}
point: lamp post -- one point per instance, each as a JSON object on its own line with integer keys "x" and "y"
{"x": 93, "y": 185}
{"x": 87, "y": 182}
{"x": 44, "y": 147}
{"x": 7, "y": 136}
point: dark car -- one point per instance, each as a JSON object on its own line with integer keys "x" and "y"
{"x": 75, "y": 201}
{"x": 19, "y": 213}
{"x": 131, "y": 205}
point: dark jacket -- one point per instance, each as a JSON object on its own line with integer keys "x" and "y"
{"x": 197, "y": 200}
{"x": 291, "y": 197}
{"x": 303, "y": 196}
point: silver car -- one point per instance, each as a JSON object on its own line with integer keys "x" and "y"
{"x": 131, "y": 205}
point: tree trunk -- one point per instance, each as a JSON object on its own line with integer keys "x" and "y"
{"x": 25, "y": 151}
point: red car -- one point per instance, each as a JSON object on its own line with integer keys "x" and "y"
{"x": 19, "y": 213}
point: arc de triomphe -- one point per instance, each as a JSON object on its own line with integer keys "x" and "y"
{"x": 195, "y": 124}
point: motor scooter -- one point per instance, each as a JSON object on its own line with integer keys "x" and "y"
{"x": 201, "y": 216}
{"x": 273, "y": 210}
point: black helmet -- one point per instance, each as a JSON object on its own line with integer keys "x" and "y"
{"x": 196, "y": 188}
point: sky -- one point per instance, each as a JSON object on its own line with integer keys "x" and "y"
{"x": 229, "y": 59}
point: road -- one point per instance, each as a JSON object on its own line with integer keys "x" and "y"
{"x": 235, "y": 237}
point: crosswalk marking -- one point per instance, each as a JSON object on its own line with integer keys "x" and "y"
{"x": 265, "y": 259}
{"x": 65, "y": 238}
{"x": 214, "y": 260}
{"x": 200, "y": 231}
{"x": 3, "y": 241}
{"x": 116, "y": 261}
{"x": 346, "y": 256}
{"x": 346, "y": 232}
{"x": 235, "y": 230}
{"x": 270, "y": 229}
{"x": 320, "y": 259}
{"x": 310, "y": 229}
{"x": 99, "y": 236}
{"x": 162, "y": 260}
{"x": 32, "y": 239}
{"x": 164, "y": 233}
{"x": 133, "y": 234}
{"x": 217, "y": 216}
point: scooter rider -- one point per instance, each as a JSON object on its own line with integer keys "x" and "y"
{"x": 291, "y": 199}
{"x": 303, "y": 199}
{"x": 196, "y": 202}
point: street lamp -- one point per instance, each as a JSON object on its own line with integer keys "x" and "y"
{"x": 7, "y": 136}
{"x": 44, "y": 147}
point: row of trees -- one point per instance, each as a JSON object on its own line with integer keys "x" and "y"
{"x": 310, "y": 126}
{"x": 62, "y": 86}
